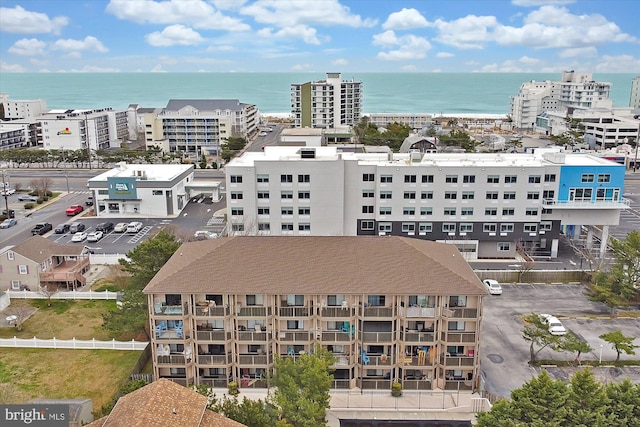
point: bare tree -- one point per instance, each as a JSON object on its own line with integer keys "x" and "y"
{"x": 590, "y": 259}
{"x": 41, "y": 186}
{"x": 527, "y": 264}
{"x": 48, "y": 291}
{"x": 22, "y": 313}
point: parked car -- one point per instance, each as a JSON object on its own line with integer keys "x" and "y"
{"x": 120, "y": 227}
{"x": 95, "y": 236}
{"x": 12, "y": 213}
{"x": 27, "y": 198}
{"x": 7, "y": 192}
{"x": 492, "y": 286}
{"x": 89, "y": 201}
{"x": 9, "y": 222}
{"x": 262, "y": 134}
{"x": 62, "y": 228}
{"x": 555, "y": 326}
{"x": 134, "y": 227}
{"x": 80, "y": 236}
{"x": 74, "y": 210}
{"x": 105, "y": 227}
{"x": 76, "y": 227}
{"x": 41, "y": 228}
{"x": 204, "y": 235}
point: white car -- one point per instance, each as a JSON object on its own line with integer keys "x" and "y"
{"x": 80, "y": 236}
{"x": 204, "y": 235}
{"x": 120, "y": 227}
{"x": 95, "y": 236}
{"x": 134, "y": 227}
{"x": 492, "y": 286}
{"x": 7, "y": 192}
{"x": 555, "y": 326}
{"x": 262, "y": 134}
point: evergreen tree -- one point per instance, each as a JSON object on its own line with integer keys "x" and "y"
{"x": 587, "y": 401}
{"x": 624, "y": 403}
{"x": 541, "y": 402}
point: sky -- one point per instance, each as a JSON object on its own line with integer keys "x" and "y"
{"x": 546, "y": 36}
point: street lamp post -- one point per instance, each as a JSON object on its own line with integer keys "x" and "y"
{"x": 6, "y": 194}
{"x": 600, "y": 357}
{"x": 66, "y": 176}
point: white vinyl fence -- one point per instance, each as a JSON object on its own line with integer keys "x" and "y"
{"x": 103, "y": 295}
{"x": 72, "y": 344}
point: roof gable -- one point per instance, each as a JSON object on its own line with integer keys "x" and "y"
{"x": 39, "y": 249}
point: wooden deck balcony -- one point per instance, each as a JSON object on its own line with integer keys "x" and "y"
{"x": 67, "y": 273}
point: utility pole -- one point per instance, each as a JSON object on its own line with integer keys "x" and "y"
{"x": 66, "y": 176}
{"x": 6, "y": 194}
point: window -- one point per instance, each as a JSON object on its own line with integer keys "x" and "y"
{"x": 427, "y": 179}
{"x": 426, "y": 195}
{"x": 262, "y": 178}
{"x": 448, "y": 227}
{"x": 287, "y": 226}
{"x": 504, "y": 246}
{"x": 530, "y": 228}
{"x": 286, "y": 195}
{"x": 467, "y": 195}
{"x": 509, "y": 195}
{"x": 386, "y": 178}
{"x": 408, "y": 211}
{"x": 506, "y": 228}
{"x": 547, "y": 211}
{"x": 304, "y": 178}
{"x": 533, "y": 195}
{"x": 156, "y": 192}
{"x": 550, "y": 177}
{"x": 493, "y": 179}
{"x": 426, "y": 211}
{"x": 587, "y": 177}
{"x": 237, "y": 211}
{"x": 384, "y": 227}
{"x": 286, "y": 211}
{"x": 368, "y": 193}
{"x": 376, "y": 300}
{"x": 508, "y": 211}
{"x": 411, "y": 195}
{"x": 304, "y": 226}
{"x": 237, "y": 227}
{"x": 451, "y": 179}
{"x": 425, "y": 227}
{"x": 368, "y": 177}
{"x": 304, "y": 211}
{"x": 546, "y": 225}
{"x": 286, "y": 178}
{"x": 263, "y": 211}
{"x": 236, "y": 179}
{"x": 409, "y": 178}
{"x": 531, "y": 212}
{"x": 466, "y": 211}
{"x": 492, "y": 195}
{"x": 534, "y": 179}
{"x": 450, "y": 195}
{"x": 264, "y": 226}
{"x": 466, "y": 227}
{"x": 263, "y": 194}
{"x": 236, "y": 195}
{"x": 510, "y": 179}
{"x": 385, "y": 195}
{"x": 468, "y": 179}
{"x": 385, "y": 211}
{"x": 489, "y": 227}
{"x": 491, "y": 211}
{"x": 449, "y": 211}
{"x": 604, "y": 177}
{"x": 366, "y": 225}
{"x": 255, "y": 300}
{"x": 367, "y": 209}
{"x": 304, "y": 195}
{"x": 23, "y": 269}
{"x": 548, "y": 194}
{"x": 408, "y": 227}
{"x": 15, "y": 284}
{"x": 583, "y": 194}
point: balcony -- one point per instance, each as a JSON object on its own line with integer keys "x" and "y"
{"x": 214, "y": 382}
{"x": 218, "y": 335}
{"x": 170, "y": 334}
{"x": 303, "y": 336}
{"x": 341, "y": 384}
{"x": 335, "y": 336}
{"x": 584, "y": 204}
{"x": 377, "y": 311}
{"x": 419, "y": 312}
{"x": 294, "y": 312}
{"x": 416, "y": 384}
{"x": 460, "y": 337}
{"x": 162, "y": 309}
{"x": 453, "y": 361}
{"x": 376, "y": 337}
{"x": 343, "y": 359}
{"x": 254, "y": 311}
{"x": 257, "y": 359}
{"x": 173, "y": 359}
{"x": 375, "y": 384}
{"x": 418, "y": 337}
{"x": 458, "y": 384}
{"x": 338, "y": 312}
{"x": 215, "y": 359}
{"x": 252, "y": 336}
{"x": 380, "y": 360}
{"x": 212, "y": 311}
{"x": 465, "y": 313}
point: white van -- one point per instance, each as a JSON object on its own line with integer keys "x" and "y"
{"x": 134, "y": 227}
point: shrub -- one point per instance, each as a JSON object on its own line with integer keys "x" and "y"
{"x": 28, "y": 206}
{"x": 396, "y": 389}
{"x": 233, "y": 388}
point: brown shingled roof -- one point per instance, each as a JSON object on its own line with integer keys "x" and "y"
{"x": 307, "y": 265}
{"x": 39, "y": 249}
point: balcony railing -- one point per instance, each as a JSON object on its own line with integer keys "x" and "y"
{"x": 341, "y": 384}
{"x": 258, "y": 359}
{"x": 295, "y": 336}
{"x": 377, "y": 311}
{"x": 418, "y": 337}
{"x": 419, "y": 312}
{"x": 214, "y": 382}
{"x": 375, "y": 384}
{"x": 294, "y": 312}
{"x": 254, "y": 311}
{"x": 343, "y": 359}
{"x": 168, "y": 309}
{"x": 252, "y": 336}
{"x": 595, "y": 204}
{"x": 212, "y": 311}
{"x": 339, "y": 312}
{"x": 337, "y": 336}
{"x": 453, "y": 361}
{"x": 416, "y": 384}
{"x": 213, "y": 335}
{"x": 460, "y": 337}
{"x": 464, "y": 313}
{"x": 173, "y": 359}
{"x": 377, "y": 336}
{"x": 458, "y": 385}
{"x": 214, "y": 359}
{"x": 381, "y": 360}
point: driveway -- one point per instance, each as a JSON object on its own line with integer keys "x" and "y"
{"x": 505, "y": 354}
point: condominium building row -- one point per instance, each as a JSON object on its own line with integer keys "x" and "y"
{"x": 576, "y": 90}
{"x": 634, "y": 99}
{"x": 488, "y": 205}
{"x": 388, "y": 309}
{"x": 329, "y": 103}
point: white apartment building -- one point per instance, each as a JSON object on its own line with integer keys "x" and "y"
{"x": 416, "y": 121}
{"x": 634, "y": 100}
{"x": 488, "y": 205}
{"x": 83, "y": 129}
{"x": 22, "y": 109}
{"x": 574, "y": 90}
{"x": 330, "y": 103}
{"x": 13, "y": 135}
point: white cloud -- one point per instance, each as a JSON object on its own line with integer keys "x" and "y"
{"x": 28, "y": 47}
{"x": 407, "y": 46}
{"x": 579, "y": 52}
{"x": 340, "y": 62}
{"x": 301, "y": 67}
{"x": 96, "y": 69}
{"x": 21, "y": 21}
{"x": 303, "y": 32}
{"x": 11, "y": 68}
{"x": 406, "y": 19}
{"x": 174, "y": 35}
{"x": 89, "y": 43}
{"x": 409, "y": 68}
{"x": 194, "y": 13}
{"x": 158, "y": 69}
{"x": 617, "y": 64}
{"x": 469, "y": 32}
{"x": 534, "y": 3}
{"x": 444, "y": 55}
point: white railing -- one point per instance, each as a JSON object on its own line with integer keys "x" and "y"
{"x": 103, "y": 295}
{"x": 108, "y": 259}
{"x": 72, "y": 344}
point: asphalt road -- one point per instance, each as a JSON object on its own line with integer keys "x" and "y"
{"x": 504, "y": 354}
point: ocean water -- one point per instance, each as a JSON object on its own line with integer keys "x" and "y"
{"x": 435, "y": 93}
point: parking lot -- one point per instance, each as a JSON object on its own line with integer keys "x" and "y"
{"x": 505, "y": 354}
